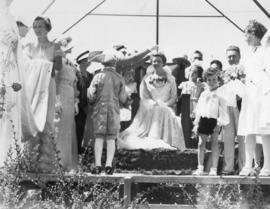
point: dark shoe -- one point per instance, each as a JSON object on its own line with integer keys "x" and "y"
{"x": 97, "y": 170}
{"x": 228, "y": 173}
{"x": 109, "y": 170}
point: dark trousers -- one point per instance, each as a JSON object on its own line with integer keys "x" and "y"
{"x": 80, "y": 120}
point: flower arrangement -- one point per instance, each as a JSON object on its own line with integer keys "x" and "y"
{"x": 234, "y": 72}
{"x": 157, "y": 81}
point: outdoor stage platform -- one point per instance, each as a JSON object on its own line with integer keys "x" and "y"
{"x": 128, "y": 179}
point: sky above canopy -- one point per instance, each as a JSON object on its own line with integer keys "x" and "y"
{"x": 178, "y": 36}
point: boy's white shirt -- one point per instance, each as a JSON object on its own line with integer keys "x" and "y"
{"x": 211, "y": 104}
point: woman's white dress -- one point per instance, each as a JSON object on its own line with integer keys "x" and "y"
{"x": 41, "y": 93}
{"x": 154, "y": 126}
{"x": 10, "y": 102}
{"x": 255, "y": 113}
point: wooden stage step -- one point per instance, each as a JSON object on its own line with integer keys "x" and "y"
{"x": 141, "y": 178}
{"x": 127, "y": 179}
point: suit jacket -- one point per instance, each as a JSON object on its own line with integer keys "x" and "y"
{"x": 83, "y": 83}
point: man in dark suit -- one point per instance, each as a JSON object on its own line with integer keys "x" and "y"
{"x": 84, "y": 80}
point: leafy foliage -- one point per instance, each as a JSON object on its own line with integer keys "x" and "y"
{"x": 19, "y": 190}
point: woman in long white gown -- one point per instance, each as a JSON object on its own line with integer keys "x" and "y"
{"x": 155, "y": 124}
{"x": 10, "y": 104}
{"x": 44, "y": 61}
{"x": 254, "y": 117}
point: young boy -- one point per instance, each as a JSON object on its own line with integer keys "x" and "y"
{"x": 211, "y": 113}
{"x": 107, "y": 92}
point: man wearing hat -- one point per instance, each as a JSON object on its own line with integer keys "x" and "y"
{"x": 84, "y": 80}
{"x": 120, "y": 48}
{"x": 229, "y": 132}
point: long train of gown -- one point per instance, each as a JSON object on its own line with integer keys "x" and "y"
{"x": 153, "y": 128}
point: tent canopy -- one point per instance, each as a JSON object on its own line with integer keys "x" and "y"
{"x": 177, "y": 35}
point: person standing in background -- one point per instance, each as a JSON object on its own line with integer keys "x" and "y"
{"x": 66, "y": 139}
{"x": 84, "y": 79}
{"x": 229, "y": 132}
{"x": 22, "y": 27}
{"x": 196, "y": 59}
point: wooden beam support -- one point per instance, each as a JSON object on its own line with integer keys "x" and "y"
{"x": 189, "y": 179}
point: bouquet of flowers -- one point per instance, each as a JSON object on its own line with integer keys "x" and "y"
{"x": 157, "y": 81}
{"x": 234, "y": 72}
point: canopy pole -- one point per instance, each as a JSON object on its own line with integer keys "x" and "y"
{"x": 225, "y": 16}
{"x": 74, "y": 24}
{"x": 262, "y": 8}
{"x": 157, "y": 23}
{"x": 48, "y": 7}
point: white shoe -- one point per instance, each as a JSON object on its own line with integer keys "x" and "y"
{"x": 199, "y": 171}
{"x": 212, "y": 172}
{"x": 264, "y": 173}
{"x": 247, "y": 172}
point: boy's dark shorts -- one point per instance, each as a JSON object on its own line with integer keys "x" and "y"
{"x": 207, "y": 126}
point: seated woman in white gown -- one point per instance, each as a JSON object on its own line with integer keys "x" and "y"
{"x": 155, "y": 124}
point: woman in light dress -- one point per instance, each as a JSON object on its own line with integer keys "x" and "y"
{"x": 254, "y": 117}
{"x": 66, "y": 139}
{"x": 155, "y": 125}
{"x": 44, "y": 62}
{"x": 10, "y": 79}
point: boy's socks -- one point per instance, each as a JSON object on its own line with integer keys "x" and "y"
{"x": 213, "y": 172}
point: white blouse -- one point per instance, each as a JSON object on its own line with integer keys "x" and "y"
{"x": 212, "y": 105}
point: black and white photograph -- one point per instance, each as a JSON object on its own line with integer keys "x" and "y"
{"x": 135, "y": 104}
